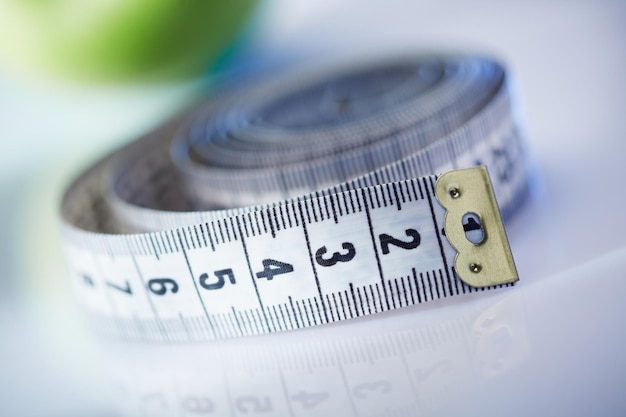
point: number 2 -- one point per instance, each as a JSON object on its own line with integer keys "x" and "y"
{"x": 386, "y": 240}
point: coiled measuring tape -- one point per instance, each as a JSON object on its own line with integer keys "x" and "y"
{"x": 300, "y": 201}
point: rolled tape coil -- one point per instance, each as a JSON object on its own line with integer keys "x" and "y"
{"x": 301, "y": 200}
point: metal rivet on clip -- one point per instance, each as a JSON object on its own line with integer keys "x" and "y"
{"x": 454, "y": 192}
{"x": 475, "y": 268}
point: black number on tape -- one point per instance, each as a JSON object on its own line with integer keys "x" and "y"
{"x": 159, "y": 286}
{"x": 337, "y": 257}
{"x": 126, "y": 288}
{"x": 273, "y": 267}
{"x": 88, "y": 280}
{"x": 504, "y": 163}
{"x": 221, "y": 274}
{"x": 386, "y": 240}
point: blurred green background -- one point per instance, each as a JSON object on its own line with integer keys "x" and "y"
{"x": 118, "y": 40}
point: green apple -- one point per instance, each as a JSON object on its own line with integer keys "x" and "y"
{"x": 118, "y": 39}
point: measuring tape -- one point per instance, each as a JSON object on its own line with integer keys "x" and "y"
{"x": 208, "y": 229}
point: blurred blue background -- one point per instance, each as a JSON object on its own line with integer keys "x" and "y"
{"x": 568, "y": 59}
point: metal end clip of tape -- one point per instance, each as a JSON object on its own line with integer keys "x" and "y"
{"x": 484, "y": 260}
{"x": 302, "y": 200}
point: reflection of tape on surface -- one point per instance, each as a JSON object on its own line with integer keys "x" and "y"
{"x": 401, "y": 372}
{"x": 196, "y": 231}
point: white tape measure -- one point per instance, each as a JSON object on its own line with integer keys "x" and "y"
{"x": 209, "y": 230}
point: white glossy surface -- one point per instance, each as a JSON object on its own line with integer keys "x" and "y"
{"x": 539, "y": 349}
{"x": 553, "y": 345}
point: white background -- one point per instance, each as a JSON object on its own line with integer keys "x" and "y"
{"x": 566, "y": 334}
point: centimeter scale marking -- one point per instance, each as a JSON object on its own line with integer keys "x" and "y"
{"x": 202, "y": 315}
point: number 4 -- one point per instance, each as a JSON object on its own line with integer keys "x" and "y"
{"x": 273, "y": 267}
